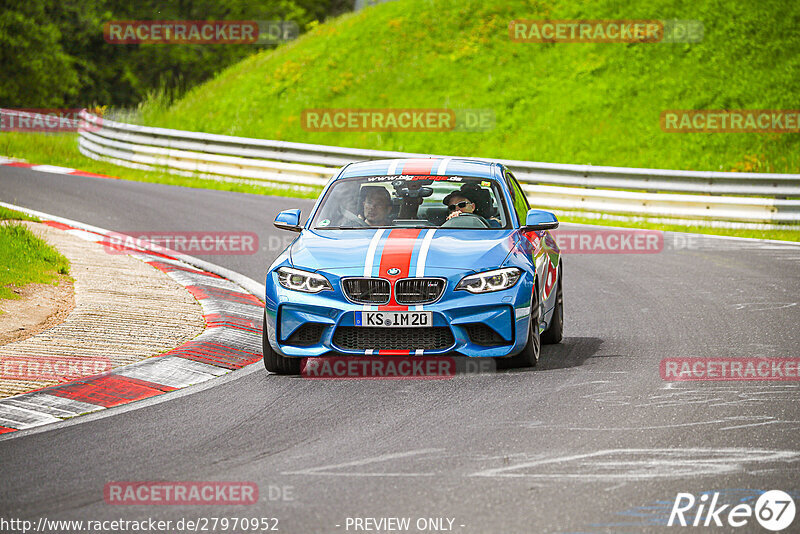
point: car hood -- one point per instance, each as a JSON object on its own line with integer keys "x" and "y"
{"x": 345, "y": 252}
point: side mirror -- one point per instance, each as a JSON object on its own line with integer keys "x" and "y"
{"x": 288, "y": 220}
{"x": 538, "y": 220}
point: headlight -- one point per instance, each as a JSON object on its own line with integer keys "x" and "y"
{"x": 490, "y": 280}
{"x": 304, "y": 281}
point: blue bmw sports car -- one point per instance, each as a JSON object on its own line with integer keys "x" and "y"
{"x": 415, "y": 257}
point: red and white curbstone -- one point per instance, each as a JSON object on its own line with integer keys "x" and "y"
{"x": 231, "y": 340}
{"x": 53, "y": 169}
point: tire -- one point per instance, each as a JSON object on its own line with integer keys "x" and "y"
{"x": 274, "y": 362}
{"x": 529, "y": 356}
{"x": 555, "y": 332}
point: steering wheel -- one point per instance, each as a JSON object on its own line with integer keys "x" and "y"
{"x": 466, "y": 220}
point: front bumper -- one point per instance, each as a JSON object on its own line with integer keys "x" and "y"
{"x": 484, "y": 325}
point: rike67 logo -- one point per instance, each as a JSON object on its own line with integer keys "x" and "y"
{"x": 774, "y": 510}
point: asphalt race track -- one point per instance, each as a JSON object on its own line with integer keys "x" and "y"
{"x": 593, "y": 440}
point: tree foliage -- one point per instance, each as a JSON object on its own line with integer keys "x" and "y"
{"x": 53, "y": 53}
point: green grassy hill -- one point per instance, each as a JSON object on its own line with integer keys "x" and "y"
{"x": 566, "y": 102}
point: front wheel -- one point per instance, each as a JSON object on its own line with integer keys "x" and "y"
{"x": 274, "y": 362}
{"x": 530, "y": 354}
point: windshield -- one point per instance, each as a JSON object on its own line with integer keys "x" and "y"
{"x": 412, "y": 201}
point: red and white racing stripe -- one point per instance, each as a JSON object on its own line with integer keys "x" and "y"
{"x": 395, "y": 253}
{"x": 419, "y": 167}
{"x": 396, "y": 258}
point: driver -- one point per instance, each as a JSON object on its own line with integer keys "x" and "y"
{"x": 377, "y": 207}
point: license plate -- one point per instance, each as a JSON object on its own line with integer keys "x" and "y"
{"x": 399, "y": 319}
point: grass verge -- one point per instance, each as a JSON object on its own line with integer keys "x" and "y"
{"x": 581, "y": 103}
{"x": 24, "y": 257}
{"x": 13, "y": 215}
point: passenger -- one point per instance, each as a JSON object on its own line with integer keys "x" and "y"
{"x": 458, "y": 202}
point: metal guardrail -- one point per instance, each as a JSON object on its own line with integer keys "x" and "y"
{"x": 757, "y": 199}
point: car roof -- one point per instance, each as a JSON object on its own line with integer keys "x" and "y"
{"x": 422, "y": 167}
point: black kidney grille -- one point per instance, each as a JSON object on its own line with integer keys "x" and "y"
{"x": 418, "y": 290}
{"x": 363, "y": 338}
{"x": 366, "y": 290}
